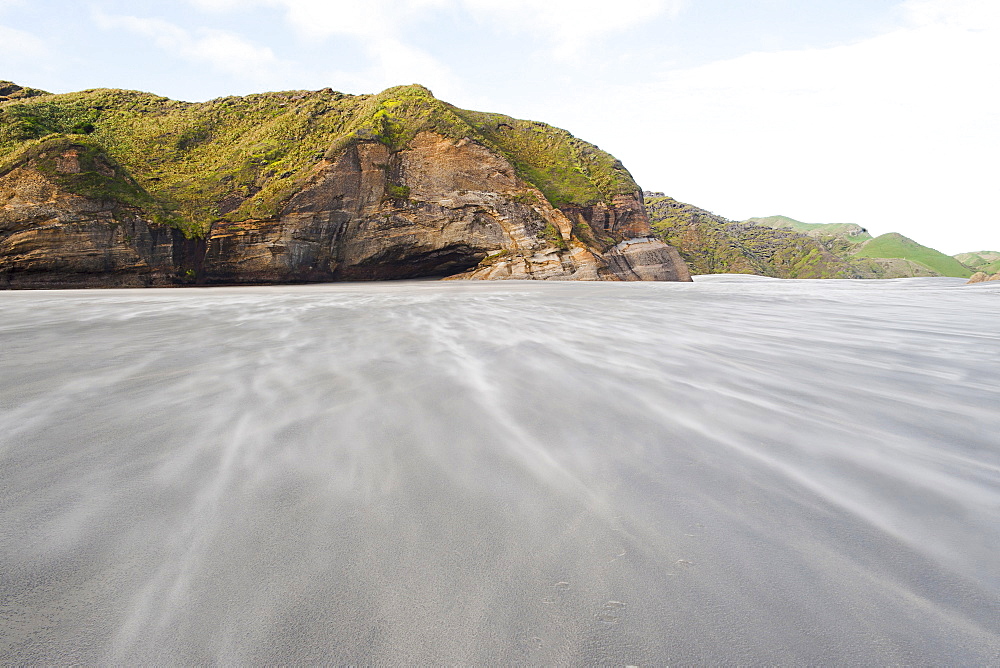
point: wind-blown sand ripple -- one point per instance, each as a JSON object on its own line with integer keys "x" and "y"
{"x": 730, "y": 471}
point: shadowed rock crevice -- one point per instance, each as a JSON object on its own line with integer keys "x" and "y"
{"x": 397, "y": 263}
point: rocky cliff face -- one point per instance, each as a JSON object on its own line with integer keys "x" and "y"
{"x": 389, "y": 198}
{"x": 441, "y": 207}
{"x": 53, "y": 238}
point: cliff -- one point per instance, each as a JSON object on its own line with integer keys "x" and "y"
{"x": 121, "y": 188}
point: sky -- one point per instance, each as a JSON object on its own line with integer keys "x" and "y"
{"x": 884, "y": 113}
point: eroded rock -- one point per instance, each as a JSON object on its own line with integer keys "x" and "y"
{"x": 53, "y": 239}
{"x": 982, "y": 277}
{"x": 465, "y": 214}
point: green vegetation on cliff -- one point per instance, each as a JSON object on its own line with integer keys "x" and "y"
{"x": 90, "y": 174}
{"x": 894, "y": 245}
{"x": 567, "y": 170}
{"x": 239, "y": 158}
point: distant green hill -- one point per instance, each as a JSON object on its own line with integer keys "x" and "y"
{"x": 895, "y": 245}
{"x": 848, "y": 231}
{"x": 783, "y": 247}
{"x": 986, "y": 261}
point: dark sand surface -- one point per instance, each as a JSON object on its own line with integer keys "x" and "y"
{"x": 732, "y": 471}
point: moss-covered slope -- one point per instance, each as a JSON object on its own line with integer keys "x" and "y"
{"x": 239, "y": 158}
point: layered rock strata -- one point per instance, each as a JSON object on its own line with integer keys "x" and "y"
{"x": 441, "y": 207}
{"x": 50, "y": 238}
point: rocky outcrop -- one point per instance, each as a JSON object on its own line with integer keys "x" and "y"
{"x": 647, "y": 259}
{"x": 439, "y": 208}
{"x": 982, "y": 277}
{"x": 50, "y": 238}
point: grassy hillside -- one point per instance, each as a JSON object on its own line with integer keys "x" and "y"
{"x": 987, "y": 261}
{"x": 238, "y": 158}
{"x": 894, "y": 245}
{"x": 848, "y": 231}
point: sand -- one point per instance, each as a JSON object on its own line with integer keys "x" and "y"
{"x": 731, "y": 471}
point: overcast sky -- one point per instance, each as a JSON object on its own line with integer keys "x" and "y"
{"x": 877, "y": 112}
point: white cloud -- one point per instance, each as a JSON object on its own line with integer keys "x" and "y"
{"x": 392, "y": 63}
{"x": 560, "y": 27}
{"x": 900, "y": 132}
{"x": 384, "y": 58}
{"x": 317, "y": 19}
{"x": 223, "y": 51}
{"x": 218, "y": 5}
{"x": 566, "y": 26}
{"x": 963, "y": 14}
{"x": 398, "y": 63}
{"x": 18, "y": 45}
{"x": 560, "y": 20}
{"x": 25, "y": 57}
